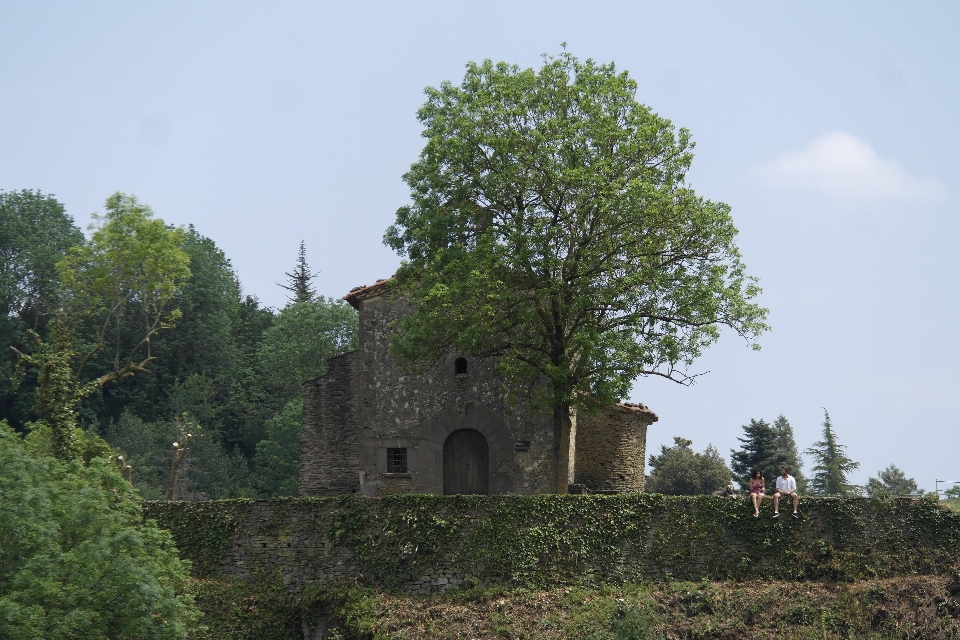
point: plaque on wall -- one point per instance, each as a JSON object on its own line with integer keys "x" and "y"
{"x": 522, "y": 446}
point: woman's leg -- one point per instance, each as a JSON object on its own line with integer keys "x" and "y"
{"x": 755, "y": 497}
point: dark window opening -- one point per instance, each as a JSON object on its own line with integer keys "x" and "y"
{"x": 397, "y": 460}
{"x": 460, "y": 366}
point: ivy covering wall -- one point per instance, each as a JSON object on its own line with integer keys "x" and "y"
{"x": 426, "y": 544}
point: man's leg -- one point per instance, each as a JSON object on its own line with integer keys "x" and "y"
{"x": 796, "y": 499}
{"x": 776, "y": 503}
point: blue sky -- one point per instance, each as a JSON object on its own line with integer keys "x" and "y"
{"x": 829, "y": 127}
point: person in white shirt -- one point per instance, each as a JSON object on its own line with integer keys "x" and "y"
{"x": 786, "y": 486}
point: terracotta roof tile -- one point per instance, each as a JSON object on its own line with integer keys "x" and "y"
{"x": 633, "y": 407}
{"x": 364, "y": 291}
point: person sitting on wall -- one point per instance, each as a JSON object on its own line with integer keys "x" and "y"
{"x": 757, "y": 488}
{"x": 787, "y": 486}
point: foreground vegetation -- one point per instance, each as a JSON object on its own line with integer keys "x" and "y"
{"x": 77, "y": 558}
{"x": 917, "y": 607}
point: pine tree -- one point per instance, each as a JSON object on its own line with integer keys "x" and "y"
{"x": 299, "y": 281}
{"x": 760, "y": 450}
{"x": 787, "y": 449}
{"x": 830, "y": 472}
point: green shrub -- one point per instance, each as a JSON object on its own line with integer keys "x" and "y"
{"x": 76, "y": 558}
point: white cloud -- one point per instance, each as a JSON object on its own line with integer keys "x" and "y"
{"x": 848, "y": 172}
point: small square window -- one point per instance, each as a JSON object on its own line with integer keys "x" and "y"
{"x": 397, "y": 460}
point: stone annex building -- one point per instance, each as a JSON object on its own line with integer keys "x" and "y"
{"x": 368, "y": 427}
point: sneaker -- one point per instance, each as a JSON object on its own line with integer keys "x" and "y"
{"x": 776, "y": 514}
{"x": 796, "y": 515}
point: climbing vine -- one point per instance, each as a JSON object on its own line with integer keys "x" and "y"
{"x": 203, "y": 531}
{"x": 542, "y": 540}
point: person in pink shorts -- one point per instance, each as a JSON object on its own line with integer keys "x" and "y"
{"x": 757, "y": 487}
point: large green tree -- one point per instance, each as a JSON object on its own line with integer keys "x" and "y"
{"x": 77, "y": 559}
{"x": 832, "y": 464}
{"x": 296, "y": 346}
{"x": 680, "y": 471}
{"x": 130, "y": 271}
{"x": 35, "y": 234}
{"x": 127, "y": 274}
{"x": 196, "y": 360}
{"x": 552, "y": 227}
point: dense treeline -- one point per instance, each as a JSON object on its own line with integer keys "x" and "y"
{"x": 767, "y": 448}
{"x": 219, "y": 358}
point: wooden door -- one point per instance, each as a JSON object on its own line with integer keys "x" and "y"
{"x": 466, "y": 467}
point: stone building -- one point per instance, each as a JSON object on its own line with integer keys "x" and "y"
{"x": 369, "y": 427}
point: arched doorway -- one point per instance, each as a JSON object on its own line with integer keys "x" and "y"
{"x": 466, "y": 463}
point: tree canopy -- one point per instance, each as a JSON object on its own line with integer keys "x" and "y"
{"x": 296, "y": 347}
{"x": 126, "y": 275}
{"x": 210, "y": 359}
{"x": 680, "y": 471}
{"x": 552, "y": 227}
{"x": 832, "y": 464}
{"x": 129, "y": 272}
{"x": 892, "y": 481}
{"x": 35, "y": 234}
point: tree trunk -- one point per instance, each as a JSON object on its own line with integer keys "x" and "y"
{"x": 564, "y": 446}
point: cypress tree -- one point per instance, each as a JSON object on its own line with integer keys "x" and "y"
{"x": 830, "y": 472}
{"x": 299, "y": 281}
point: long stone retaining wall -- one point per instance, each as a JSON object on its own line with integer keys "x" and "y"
{"x": 422, "y": 544}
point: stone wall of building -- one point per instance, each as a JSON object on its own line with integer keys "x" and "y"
{"x": 330, "y": 435}
{"x": 365, "y": 405}
{"x": 425, "y": 544}
{"x": 611, "y": 448}
{"x": 418, "y": 411}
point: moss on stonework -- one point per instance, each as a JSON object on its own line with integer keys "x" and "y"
{"x": 410, "y": 542}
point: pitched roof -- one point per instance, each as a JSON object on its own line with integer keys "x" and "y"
{"x": 364, "y": 292}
